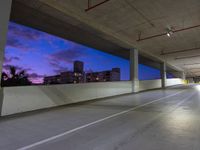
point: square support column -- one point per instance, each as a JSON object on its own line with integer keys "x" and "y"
{"x": 5, "y": 9}
{"x": 163, "y": 74}
{"x": 183, "y": 75}
{"x": 134, "y": 70}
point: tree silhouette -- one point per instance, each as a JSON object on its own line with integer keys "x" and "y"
{"x": 14, "y": 78}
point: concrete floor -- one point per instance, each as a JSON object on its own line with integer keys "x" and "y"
{"x": 153, "y": 120}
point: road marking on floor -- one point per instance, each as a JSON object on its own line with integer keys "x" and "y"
{"x": 95, "y": 122}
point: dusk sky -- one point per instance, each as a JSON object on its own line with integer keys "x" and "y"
{"x": 42, "y": 54}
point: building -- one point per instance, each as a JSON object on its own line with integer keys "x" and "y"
{"x": 103, "y": 76}
{"x": 67, "y": 77}
{"x": 79, "y": 75}
{"x": 93, "y": 77}
{"x": 76, "y": 76}
{"x": 78, "y": 66}
{"x": 115, "y": 74}
{"x": 52, "y": 79}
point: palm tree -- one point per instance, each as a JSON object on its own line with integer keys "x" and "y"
{"x": 14, "y": 78}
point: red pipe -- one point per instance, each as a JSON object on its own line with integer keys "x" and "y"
{"x": 180, "y": 51}
{"x": 150, "y": 37}
{"x": 162, "y": 34}
{"x": 192, "y": 64}
{"x": 187, "y": 28}
{"x": 88, "y": 3}
{"x": 185, "y": 57}
{"x": 92, "y": 7}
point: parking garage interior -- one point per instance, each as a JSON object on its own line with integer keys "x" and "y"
{"x": 142, "y": 112}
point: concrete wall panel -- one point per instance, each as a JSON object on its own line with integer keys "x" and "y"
{"x": 174, "y": 81}
{"x": 22, "y": 99}
{"x": 149, "y": 84}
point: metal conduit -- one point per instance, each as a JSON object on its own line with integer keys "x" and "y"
{"x": 164, "y": 34}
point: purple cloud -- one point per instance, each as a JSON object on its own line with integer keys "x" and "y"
{"x": 23, "y": 32}
{"x": 14, "y": 42}
{"x": 66, "y": 56}
{"x": 6, "y": 68}
{"x": 35, "y": 75}
{"x": 10, "y": 59}
{"x": 36, "y": 78}
{"x": 60, "y": 69}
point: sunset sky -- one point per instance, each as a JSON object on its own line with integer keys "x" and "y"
{"x": 42, "y": 54}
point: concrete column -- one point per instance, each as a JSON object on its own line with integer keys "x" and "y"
{"x": 5, "y": 8}
{"x": 134, "y": 70}
{"x": 163, "y": 74}
{"x": 183, "y": 75}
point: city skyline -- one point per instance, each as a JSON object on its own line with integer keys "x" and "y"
{"x": 78, "y": 75}
{"x": 41, "y": 54}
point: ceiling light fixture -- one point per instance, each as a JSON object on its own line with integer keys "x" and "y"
{"x": 169, "y": 31}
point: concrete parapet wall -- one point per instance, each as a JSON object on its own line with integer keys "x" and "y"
{"x": 22, "y": 99}
{"x": 174, "y": 81}
{"x": 149, "y": 84}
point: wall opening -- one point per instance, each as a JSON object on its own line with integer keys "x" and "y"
{"x": 33, "y": 57}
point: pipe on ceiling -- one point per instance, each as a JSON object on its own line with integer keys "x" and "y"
{"x": 180, "y": 51}
{"x": 163, "y": 34}
{"x": 185, "y": 57}
{"x": 192, "y": 64}
{"x": 140, "y": 13}
{"x": 195, "y": 71}
{"x": 193, "y": 68}
{"x": 90, "y": 7}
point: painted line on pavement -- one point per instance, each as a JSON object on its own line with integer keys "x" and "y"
{"x": 92, "y": 123}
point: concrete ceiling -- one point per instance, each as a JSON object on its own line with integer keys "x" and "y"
{"x": 118, "y": 25}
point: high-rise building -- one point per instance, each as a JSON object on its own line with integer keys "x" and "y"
{"x": 115, "y": 74}
{"x": 76, "y": 76}
{"x": 103, "y": 76}
{"x": 79, "y": 74}
{"x": 52, "y": 79}
{"x": 67, "y": 77}
{"x": 78, "y": 66}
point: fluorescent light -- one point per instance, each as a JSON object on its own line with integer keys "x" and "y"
{"x": 168, "y": 34}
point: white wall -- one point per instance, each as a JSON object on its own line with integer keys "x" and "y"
{"x": 149, "y": 84}
{"x": 21, "y": 99}
{"x": 174, "y": 81}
